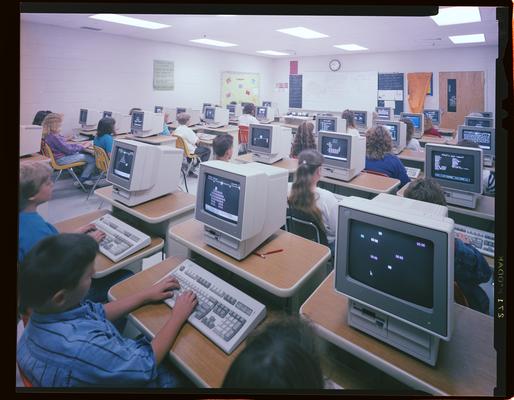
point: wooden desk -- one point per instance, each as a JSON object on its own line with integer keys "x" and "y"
{"x": 414, "y": 156}
{"x": 432, "y": 139}
{"x": 36, "y": 157}
{"x": 447, "y": 132}
{"x": 103, "y": 265}
{"x": 155, "y": 216}
{"x": 367, "y": 183}
{"x": 291, "y": 164}
{"x": 466, "y": 365}
{"x": 281, "y": 274}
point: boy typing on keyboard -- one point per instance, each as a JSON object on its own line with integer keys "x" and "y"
{"x": 70, "y": 342}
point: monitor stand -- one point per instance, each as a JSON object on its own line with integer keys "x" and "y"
{"x": 339, "y": 173}
{"x": 411, "y": 340}
{"x": 458, "y": 198}
{"x": 266, "y": 158}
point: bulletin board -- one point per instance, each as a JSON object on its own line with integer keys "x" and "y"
{"x": 240, "y": 87}
{"x": 390, "y": 91}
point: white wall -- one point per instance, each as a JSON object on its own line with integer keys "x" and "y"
{"x": 64, "y": 69}
{"x": 482, "y": 58}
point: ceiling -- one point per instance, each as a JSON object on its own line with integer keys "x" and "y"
{"x": 253, "y": 32}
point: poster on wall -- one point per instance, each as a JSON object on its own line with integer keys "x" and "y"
{"x": 239, "y": 87}
{"x": 163, "y": 78}
{"x": 390, "y": 91}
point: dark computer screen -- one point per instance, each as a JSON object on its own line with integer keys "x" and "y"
{"x": 221, "y": 197}
{"x": 137, "y": 120}
{"x": 453, "y": 167}
{"x": 181, "y": 110}
{"x": 123, "y": 160}
{"x": 83, "y": 116}
{"x": 393, "y": 130}
{"x": 157, "y": 109}
{"x": 231, "y": 108}
{"x": 360, "y": 117}
{"x": 484, "y": 123}
{"x": 209, "y": 113}
{"x": 381, "y": 258}
{"x": 487, "y": 114}
{"x": 326, "y": 124}
{"x": 260, "y": 137}
{"x": 261, "y": 112}
{"x": 336, "y": 149}
{"x": 383, "y": 112}
{"x": 266, "y": 103}
{"x": 483, "y": 139}
{"x": 107, "y": 114}
{"x": 434, "y": 115}
{"x": 416, "y": 120}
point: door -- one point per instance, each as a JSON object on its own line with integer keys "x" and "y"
{"x": 466, "y": 96}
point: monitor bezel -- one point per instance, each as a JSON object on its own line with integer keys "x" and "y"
{"x": 336, "y": 163}
{"x": 465, "y": 187}
{"x": 492, "y": 131}
{"x": 433, "y": 110}
{"x": 258, "y": 149}
{"x": 468, "y": 118}
{"x": 331, "y": 117}
{"x": 435, "y": 319}
{"x": 421, "y": 120}
{"x": 116, "y": 179}
{"x": 230, "y": 228}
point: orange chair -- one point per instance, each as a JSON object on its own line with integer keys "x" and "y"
{"x": 459, "y": 296}
{"x": 49, "y": 153}
{"x": 102, "y": 164}
{"x": 243, "y": 137}
{"x": 190, "y": 158}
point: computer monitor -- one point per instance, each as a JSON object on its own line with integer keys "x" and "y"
{"x": 384, "y": 113}
{"x": 181, "y": 110}
{"x": 158, "y": 109}
{"x": 241, "y": 205}
{"x": 458, "y": 170}
{"x": 244, "y": 103}
{"x": 234, "y": 110}
{"x": 30, "y": 139}
{"x": 398, "y": 131}
{"x": 205, "y": 105}
{"x": 434, "y": 115}
{"x": 344, "y": 154}
{"x": 394, "y": 261}
{"x": 123, "y": 122}
{"x": 361, "y": 119}
{"x": 216, "y": 115}
{"x": 481, "y": 122}
{"x": 484, "y": 137}
{"x": 88, "y": 119}
{"x": 146, "y": 123}
{"x": 268, "y": 143}
{"x": 418, "y": 121}
{"x": 264, "y": 114}
{"x": 107, "y": 114}
{"x": 141, "y": 172}
{"x": 330, "y": 124}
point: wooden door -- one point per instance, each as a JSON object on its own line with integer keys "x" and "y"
{"x": 469, "y": 96}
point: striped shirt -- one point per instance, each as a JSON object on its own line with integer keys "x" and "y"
{"x": 80, "y": 347}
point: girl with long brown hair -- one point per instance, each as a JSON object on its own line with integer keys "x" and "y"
{"x": 304, "y": 139}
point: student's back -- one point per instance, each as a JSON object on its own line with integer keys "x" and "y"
{"x": 105, "y": 130}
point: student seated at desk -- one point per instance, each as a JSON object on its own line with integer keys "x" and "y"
{"x": 379, "y": 157}
{"x": 429, "y": 127}
{"x": 306, "y": 196}
{"x": 222, "y": 147}
{"x": 282, "y": 355}
{"x": 248, "y": 116}
{"x": 188, "y": 135}
{"x": 104, "y": 132}
{"x": 471, "y": 268}
{"x": 412, "y": 142}
{"x": 40, "y": 116}
{"x": 350, "y": 122}
{"x": 71, "y": 342}
{"x": 165, "y": 128}
{"x": 36, "y": 188}
{"x": 65, "y": 153}
{"x": 304, "y": 139}
{"x": 488, "y": 176}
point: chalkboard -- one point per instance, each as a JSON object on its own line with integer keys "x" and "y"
{"x": 329, "y": 91}
{"x": 295, "y": 91}
{"x": 390, "y": 81}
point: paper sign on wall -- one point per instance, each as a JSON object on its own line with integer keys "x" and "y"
{"x": 163, "y": 75}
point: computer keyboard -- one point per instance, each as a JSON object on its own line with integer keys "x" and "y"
{"x": 207, "y": 136}
{"x": 121, "y": 240}
{"x": 80, "y": 138}
{"x": 412, "y": 173}
{"x": 482, "y": 240}
{"x": 224, "y": 314}
{"x": 214, "y": 125}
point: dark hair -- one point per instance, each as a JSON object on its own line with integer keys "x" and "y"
{"x": 249, "y": 109}
{"x": 221, "y": 144}
{"x": 467, "y": 143}
{"x": 425, "y": 189}
{"x": 410, "y": 128}
{"x": 349, "y": 116}
{"x": 134, "y": 109}
{"x": 304, "y": 139}
{"x": 105, "y": 126}
{"x": 282, "y": 355}
{"x": 40, "y": 116}
{"x": 233, "y": 102}
{"x": 56, "y": 262}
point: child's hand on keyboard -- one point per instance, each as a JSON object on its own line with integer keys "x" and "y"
{"x": 91, "y": 230}
{"x": 184, "y": 305}
{"x": 463, "y": 237}
{"x": 162, "y": 290}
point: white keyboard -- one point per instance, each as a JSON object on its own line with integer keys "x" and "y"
{"x": 207, "y": 136}
{"x": 482, "y": 240}
{"x": 212, "y": 126}
{"x": 80, "y": 138}
{"x": 412, "y": 173}
{"x": 224, "y": 314}
{"x": 121, "y": 240}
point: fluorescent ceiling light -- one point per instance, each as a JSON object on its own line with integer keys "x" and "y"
{"x": 120, "y": 19}
{"x": 211, "y": 42}
{"x": 476, "y": 38}
{"x": 272, "y": 53}
{"x": 350, "y": 47}
{"x": 303, "y": 33}
{"x": 456, "y": 15}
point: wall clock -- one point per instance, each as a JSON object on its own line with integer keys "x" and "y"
{"x": 334, "y": 65}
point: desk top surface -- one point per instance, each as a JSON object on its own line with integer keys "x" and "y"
{"x": 103, "y": 265}
{"x": 466, "y": 365}
{"x": 154, "y": 211}
{"x": 280, "y": 274}
{"x": 367, "y": 182}
{"x": 291, "y": 164}
{"x": 154, "y": 139}
{"x": 411, "y": 155}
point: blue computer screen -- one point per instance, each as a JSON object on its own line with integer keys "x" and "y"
{"x": 393, "y": 130}
{"x": 453, "y": 167}
{"x": 434, "y": 115}
{"x": 416, "y": 120}
{"x": 221, "y": 197}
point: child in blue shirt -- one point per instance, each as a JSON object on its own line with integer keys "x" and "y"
{"x": 70, "y": 342}
{"x": 379, "y": 157}
{"x": 104, "y": 132}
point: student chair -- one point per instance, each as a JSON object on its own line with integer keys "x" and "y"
{"x": 304, "y": 225}
{"x": 459, "y": 296}
{"x": 102, "y": 164}
{"x": 190, "y": 158}
{"x": 243, "y": 138}
{"x": 49, "y": 153}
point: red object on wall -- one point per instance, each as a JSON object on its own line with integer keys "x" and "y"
{"x": 293, "y": 67}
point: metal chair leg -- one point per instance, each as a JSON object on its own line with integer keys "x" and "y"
{"x": 77, "y": 179}
{"x": 94, "y": 186}
{"x": 185, "y": 181}
{"x": 58, "y": 176}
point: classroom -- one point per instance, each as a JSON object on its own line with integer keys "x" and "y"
{"x": 283, "y": 202}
